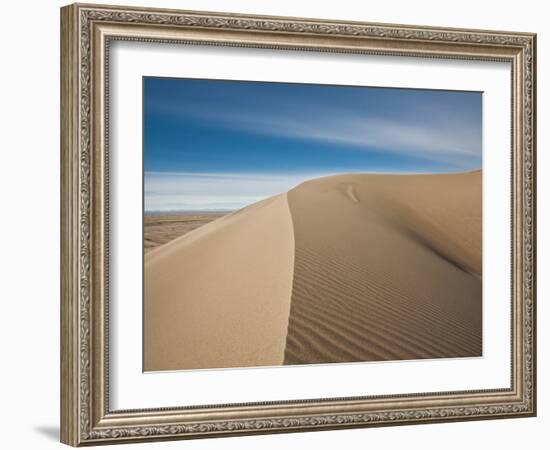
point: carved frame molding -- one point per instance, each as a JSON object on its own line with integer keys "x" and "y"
{"x": 86, "y": 31}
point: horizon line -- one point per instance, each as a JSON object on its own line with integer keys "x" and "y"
{"x": 229, "y": 207}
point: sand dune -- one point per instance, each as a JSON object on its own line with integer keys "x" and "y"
{"x": 386, "y": 267}
{"x": 346, "y": 268}
{"x": 219, "y": 296}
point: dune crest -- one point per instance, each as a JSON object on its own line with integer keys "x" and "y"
{"x": 219, "y": 296}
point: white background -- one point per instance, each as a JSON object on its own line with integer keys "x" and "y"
{"x": 132, "y": 389}
{"x": 29, "y": 186}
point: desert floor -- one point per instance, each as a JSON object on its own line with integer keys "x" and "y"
{"x": 160, "y": 229}
{"x": 347, "y": 268}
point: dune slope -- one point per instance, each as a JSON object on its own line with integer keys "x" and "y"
{"x": 219, "y": 296}
{"x": 386, "y": 267}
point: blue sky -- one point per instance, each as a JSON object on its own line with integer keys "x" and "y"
{"x": 220, "y": 145}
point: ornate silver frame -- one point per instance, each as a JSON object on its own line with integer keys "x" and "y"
{"x": 86, "y": 31}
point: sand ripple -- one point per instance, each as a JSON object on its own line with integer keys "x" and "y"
{"x": 386, "y": 267}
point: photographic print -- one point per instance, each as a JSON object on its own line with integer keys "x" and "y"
{"x": 289, "y": 223}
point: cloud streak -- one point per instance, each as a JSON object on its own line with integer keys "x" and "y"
{"x": 220, "y": 145}
{"x": 432, "y": 132}
{"x": 213, "y": 191}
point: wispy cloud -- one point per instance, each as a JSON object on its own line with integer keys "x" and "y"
{"x": 165, "y": 191}
{"x": 273, "y": 136}
{"x": 430, "y": 132}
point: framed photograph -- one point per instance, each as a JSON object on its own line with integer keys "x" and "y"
{"x": 274, "y": 224}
